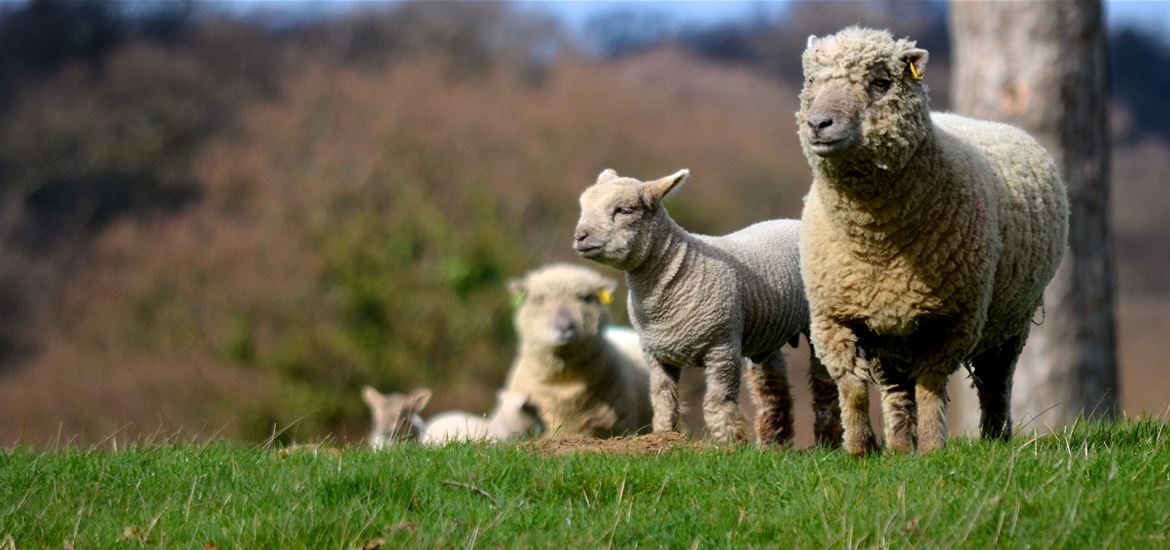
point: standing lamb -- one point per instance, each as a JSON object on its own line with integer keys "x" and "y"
{"x": 395, "y": 415}
{"x": 928, "y": 240}
{"x": 707, "y": 302}
{"x": 583, "y": 379}
{"x": 514, "y": 416}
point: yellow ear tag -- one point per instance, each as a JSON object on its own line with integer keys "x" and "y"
{"x": 604, "y": 296}
{"x": 914, "y": 72}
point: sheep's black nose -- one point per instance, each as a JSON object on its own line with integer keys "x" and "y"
{"x": 820, "y": 122}
{"x": 581, "y": 235}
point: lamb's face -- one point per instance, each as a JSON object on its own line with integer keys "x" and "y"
{"x": 396, "y": 416}
{"x": 862, "y": 92}
{"x": 620, "y": 218}
{"x": 562, "y": 307}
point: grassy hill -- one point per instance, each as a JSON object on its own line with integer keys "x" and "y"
{"x": 1098, "y": 485}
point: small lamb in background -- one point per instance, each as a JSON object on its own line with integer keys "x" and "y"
{"x": 707, "y": 302}
{"x": 514, "y": 416}
{"x": 395, "y": 415}
{"x": 583, "y": 378}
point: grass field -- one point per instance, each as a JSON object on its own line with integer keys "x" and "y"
{"x": 1095, "y": 485}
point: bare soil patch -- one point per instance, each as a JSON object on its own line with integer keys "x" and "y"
{"x": 649, "y": 444}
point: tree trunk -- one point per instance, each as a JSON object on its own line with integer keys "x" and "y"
{"x": 1042, "y": 67}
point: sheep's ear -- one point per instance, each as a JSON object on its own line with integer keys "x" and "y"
{"x": 371, "y": 396}
{"x": 812, "y": 41}
{"x": 605, "y": 290}
{"x": 519, "y": 290}
{"x": 657, "y": 189}
{"x": 510, "y": 400}
{"x": 915, "y": 59}
{"x": 418, "y": 398}
{"x": 606, "y": 175}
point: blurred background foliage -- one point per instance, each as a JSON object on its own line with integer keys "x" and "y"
{"x": 229, "y": 222}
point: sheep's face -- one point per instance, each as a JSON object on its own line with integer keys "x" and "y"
{"x": 518, "y": 412}
{"x": 622, "y": 219}
{"x": 562, "y": 308}
{"x": 863, "y": 97}
{"x": 396, "y": 416}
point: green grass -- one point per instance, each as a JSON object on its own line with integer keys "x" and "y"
{"x": 1091, "y": 486}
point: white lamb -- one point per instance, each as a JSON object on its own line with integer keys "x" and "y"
{"x": 707, "y": 302}
{"x": 514, "y": 416}
{"x": 583, "y": 379}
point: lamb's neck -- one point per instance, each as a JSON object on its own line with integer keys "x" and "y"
{"x": 563, "y": 364}
{"x": 666, "y": 263}
{"x": 880, "y": 212}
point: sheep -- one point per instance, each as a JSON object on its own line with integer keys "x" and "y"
{"x": 513, "y": 417}
{"x": 395, "y": 416}
{"x": 584, "y": 380}
{"x": 927, "y": 242}
{"x": 707, "y": 302}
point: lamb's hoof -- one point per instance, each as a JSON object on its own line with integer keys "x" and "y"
{"x": 863, "y": 446}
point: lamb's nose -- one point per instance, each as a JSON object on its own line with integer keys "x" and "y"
{"x": 820, "y": 122}
{"x": 581, "y": 235}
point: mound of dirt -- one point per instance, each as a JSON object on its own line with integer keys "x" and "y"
{"x": 649, "y": 444}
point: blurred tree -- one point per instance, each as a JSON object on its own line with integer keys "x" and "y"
{"x": 1042, "y": 67}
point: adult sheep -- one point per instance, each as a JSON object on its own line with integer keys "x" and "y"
{"x": 928, "y": 240}
{"x": 584, "y": 378}
{"x": 707, "y": 302}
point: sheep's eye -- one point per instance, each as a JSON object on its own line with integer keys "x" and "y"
{"x": 881, "y": 85}
{"x": 590, "y": 298}
{"x": 623, "y": 210}
{"x": 536, "y": 300}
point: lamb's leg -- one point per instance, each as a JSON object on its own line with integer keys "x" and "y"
{"x": 721, "y": 403}
{"x": 826, "y": 411}
{"x": 898, "y": 407}
{"x": 836, "y": 345}
{"x": 773, "y": 398}
{"x": 932, "y": 410}
{"x": 993, "y": 381}
{"x": 664, "y": 395}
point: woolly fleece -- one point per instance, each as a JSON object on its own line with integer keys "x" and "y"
{"x": 583, "y": 379}
{"x": 705, "y": 302}
{"x": 927, "y": 242}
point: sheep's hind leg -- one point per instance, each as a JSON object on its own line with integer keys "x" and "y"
{"x": 664, "y": 395}
{"x": 773, "y": 398}
{"x": 721, "y": 403}
{"x": 898, "y": 407}
{"x": 826, "y": 410}
{"x": 993, "y": 381}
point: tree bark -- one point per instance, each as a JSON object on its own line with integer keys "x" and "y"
{"x": 1041, "y": 66}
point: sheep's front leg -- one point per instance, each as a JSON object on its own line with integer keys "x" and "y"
{"x": 664, "y": 395}
{"x": 836, "y": 345}
{"x": 932, "y": 408}
{"x": 773, "y": 398}
{"x": 826, "y": 411}
{"x": 721, "y": 403}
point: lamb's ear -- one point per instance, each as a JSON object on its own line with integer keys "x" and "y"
{"x": 371, "y": 396}
{"x": 606, "y": 175}
{"x": 812, "y": 41}
{"x": 657, "y": 189}
{"x": 915, "y": 59}
{"x": 510, "y": 400}
{"x": 418, "y": 399}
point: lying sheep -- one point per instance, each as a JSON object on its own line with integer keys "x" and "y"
{"x": 514, "y": 416}
{"x": 927, "y": 242}
{"x": 583, "y": 379}
{"x": 707, "y": 302}
{"x": 395, "y": 415}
